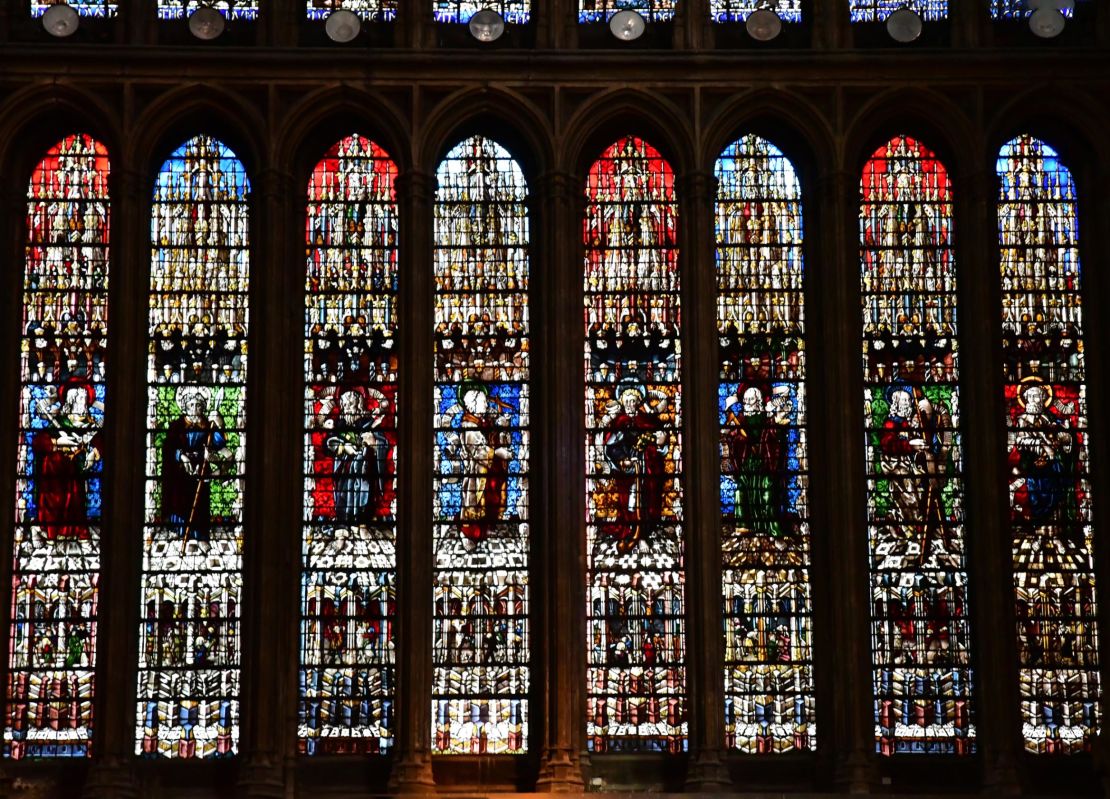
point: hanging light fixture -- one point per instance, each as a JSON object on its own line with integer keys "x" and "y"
{"x": 627, "y": 25}
{"x": 764, "y": 23}
{"x": 904, "y": 25}
{"x": 342, "y": 25}
{"x": 206, "y": 23}
{"x": 1047, "y": 20}
{"x": 61, "y": 20}
{"x": 486, "y": 25}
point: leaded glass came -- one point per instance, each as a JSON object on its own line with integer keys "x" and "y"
{"x": 761, "y": 401}
{"x": 482, "y": 538}
{"x": 191, "y": 591}
{"x": 349, "y": 559}
{"x": 635, "y": 537}
{"x": 1048, "y": 449}
{"x": 920, "y": 639}
{"x": 60, "y": 455}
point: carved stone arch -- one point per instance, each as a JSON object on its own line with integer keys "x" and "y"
{"x": 1067, "y": 120}
{"x": 34, "y": 119}
{"x": 785, "y": 119}
{"x": 505, "y": 116}
{"x": 932, "y": 118}
{"x": 322, "y": 118}
{"x": 198, "y": 108}
{"x": 620, "y": 112}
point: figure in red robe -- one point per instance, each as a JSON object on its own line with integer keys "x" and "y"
{"x": 66, "y": 453}
{"x": 636, "y": 444}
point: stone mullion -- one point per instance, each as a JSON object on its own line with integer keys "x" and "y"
{"x": 558, "y": 271}
{"x": 831, "y": 24}
{"x": 414, "y": 23}
{"x": 124, "y": 496}
{"x": 268, "y": 518}
{"x": 140, "y": 21}
{"x": 848, "y": 717}
{"x": 995, "y": 697}
{"x": 701, "y": 470}
{"x": 280, "y": 20}
{"x": 966, "y": 22}
{"x": 13, "y": 207}
{"x": 412, "y": 771}
{"x": 1094, "y": 242}
{"x": 692, "y": 26}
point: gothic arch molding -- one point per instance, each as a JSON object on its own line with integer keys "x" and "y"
{"x": 504, "y": 116}
{"x": 620, "y": 112}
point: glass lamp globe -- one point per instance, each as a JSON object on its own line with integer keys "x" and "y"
{"x": 60, "y": 20}
{"x": 1047, "y": 22}
{"x": 486, "y": 25}
{"x": 342, "y": 25}
{"x": 763, "y": 25}
{"x": 627, "y": 25}
{"x": 904, "y": 25}
{"x": 206, "y": 23}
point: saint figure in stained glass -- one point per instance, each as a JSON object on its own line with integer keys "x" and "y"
{"x": 60, "y": 455}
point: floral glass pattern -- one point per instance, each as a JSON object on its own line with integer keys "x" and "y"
{"x": 60, "y": 460}
{"x": 635, "y": 536}
{"x": 920, "y": 640}
{"x": 348, "y": 600}
{"x": 1048, "y": 450}
{"x": 761, "y": 401}
{"x": 188, "y": 682}
{"x": 482, "y": 538}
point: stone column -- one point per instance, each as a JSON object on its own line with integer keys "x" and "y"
{"x": 280, "y": 22}
{"x": 692, "y": 29}
{"x": 139, "y": 22}
{"x": 832, "y": 28}
{"x": 415, "y": 28}
{"x": 968, "y": 22}
{"x": 412, "y": 772}
{"x": 272, "y": 507}
{"x": 111, "y": 776}
{"x": 562, "y": 649}
{"x": 837, "y": 431}
{"x": 995, "y": 701}
{"x": 702, "y": 468}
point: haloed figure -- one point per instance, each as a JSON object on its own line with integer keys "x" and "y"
{"x": 66, "y": 453}
{"x": 757, "y": 441}
{"x": 636, "y": 448}
{"x": 194, "y": 447}
{"x": 361, "y": 453}
{"x": 481, "y": 443}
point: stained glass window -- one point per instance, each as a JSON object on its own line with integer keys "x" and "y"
{"x": 1047, "y": 449}
{"x": 914, "y": 452}
{"x": 60, "y": 453}
{"x": 762, "y": 406}
{"x": 373, "y": 10}
{"x": 1016, "y": 9}
{"x": 514, "y": 12}
{"x": 232, "y": 9}
{"x": 188, "y": 684}
{"x": 85, "y": 8}
{"x": 482, "y": 366}
{"x": 879, "y": 10}
{"x": 740, "y": 10}
{"x": 348, "y": 603}
{"x": 601, "y": 10}
{"x": 635, "y": 547}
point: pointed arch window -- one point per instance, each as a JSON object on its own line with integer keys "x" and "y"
{"x": 60, "y": 455}
{"x": 764, "y": 463}
{"x": 368, "y": 10}
{"x": 1048, "y": 450}
{"x": 635, "y": 533}
{"x": 879, "y": 10}
{"x": 191, "y": 589}
{"x": 514, "y": 12}
{"x": 348, "y": 601}
{"x": 482, "y": 538}
{"x": 920, "y": 639}
{"x": 601, "y": 10}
